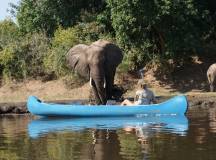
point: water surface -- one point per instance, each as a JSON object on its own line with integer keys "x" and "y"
{"x": 174, "y": 138}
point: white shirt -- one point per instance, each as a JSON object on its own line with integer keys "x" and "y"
{"x": 145, "y": 97}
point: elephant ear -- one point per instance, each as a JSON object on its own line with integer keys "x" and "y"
{"x": 77, "y": 60}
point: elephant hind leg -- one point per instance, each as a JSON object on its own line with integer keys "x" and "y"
{"x": 211, "y": 82}
{"x": 211, "y": 87}
{"x": 99, "y": 93}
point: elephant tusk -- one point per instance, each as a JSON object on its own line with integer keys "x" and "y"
{"x": 90, "y": 82}
{"x": 104, "y": 82}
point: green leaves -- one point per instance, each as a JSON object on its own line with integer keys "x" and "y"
{"x": 8, "y": 32}
{"x": 47, "y": 15}
{"x": 62, "y": 41}
{"x": 23, "y": 58}
{"x": 143, "y": 29}
{"x": 160, "y": 27}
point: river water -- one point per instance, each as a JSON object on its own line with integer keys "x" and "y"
{"x": 25, "y": 137}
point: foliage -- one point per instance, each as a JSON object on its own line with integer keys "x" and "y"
{"x": 104, "y": 20}
{"x": 88, "y": 32}
{"x": 64, "y": 39}
{"x": 9, "y": 32}
{"x": 47, "y": 15}
{"x": 166, "y": 28}
{"x": 24, "y": 57}
{"x": 147, "y": 31}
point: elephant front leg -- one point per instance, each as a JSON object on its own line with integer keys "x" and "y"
{"x": 93, "y": 97}
{"x": 109, "y": 90}
{"x": 109, "y": 83}
{"x": 99, "y": 91}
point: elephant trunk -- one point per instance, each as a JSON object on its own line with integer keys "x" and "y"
{"x": 98, "y": 85}
{"x": 104, "y": 85}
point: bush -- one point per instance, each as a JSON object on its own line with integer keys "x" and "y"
{"x": 7, "y": 59}
{"x": 64, "y": 39}
{"x": 88, "y": 32}
{"x": 24, "y": 58}
{"x": 124, "y": 66}
{"x": 9, "y": 32}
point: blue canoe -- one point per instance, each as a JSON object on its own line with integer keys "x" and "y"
{"x": 174, "y": 106}
{"x": 172, "y": 124}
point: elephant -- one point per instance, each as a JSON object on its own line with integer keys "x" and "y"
{"x": 211, "y": 74}
{"x": 97, "y": 63}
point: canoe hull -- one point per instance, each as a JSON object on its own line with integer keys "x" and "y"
{"x": 174, "y": 106}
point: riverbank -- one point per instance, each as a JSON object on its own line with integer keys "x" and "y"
{"x": 13, "y": 97}
{"x": 188, "y": 79}
{"x": 196, "y": 103}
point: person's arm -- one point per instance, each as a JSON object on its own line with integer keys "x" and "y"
{"x": 136, "y": 96}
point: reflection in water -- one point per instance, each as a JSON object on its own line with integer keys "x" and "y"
{"x": 212, "y": 120}
{"x": 176, "y": 124}
{"x": 107, "y": 138}
{"x": 12, "y": 126}
{"x": 107, "y": 143}
{"x": 13, "y": 133}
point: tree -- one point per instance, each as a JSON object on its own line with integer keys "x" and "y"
{"x": 9, "y": 32}
{"x": 166, "y": 27}
{"x": 46, "y": 15}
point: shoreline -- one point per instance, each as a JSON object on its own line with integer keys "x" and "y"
{"x": 13, "y": 96}
{"x": 195, "y": 104}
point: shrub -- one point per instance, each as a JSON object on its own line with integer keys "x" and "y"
{"x": 89, "y": 32}
{"x": 9, "y": 32}
{"x": 24, "y": 58}
{"x": 62, "y": 41}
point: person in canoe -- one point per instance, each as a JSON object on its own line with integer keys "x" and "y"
{"x": 144, "y": 96}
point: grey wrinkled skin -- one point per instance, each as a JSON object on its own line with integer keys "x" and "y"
{"x": 98, "y": 61}
{"x": 211, "y": 74}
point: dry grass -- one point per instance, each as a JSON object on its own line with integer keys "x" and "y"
{"x": 51, "y": 90}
